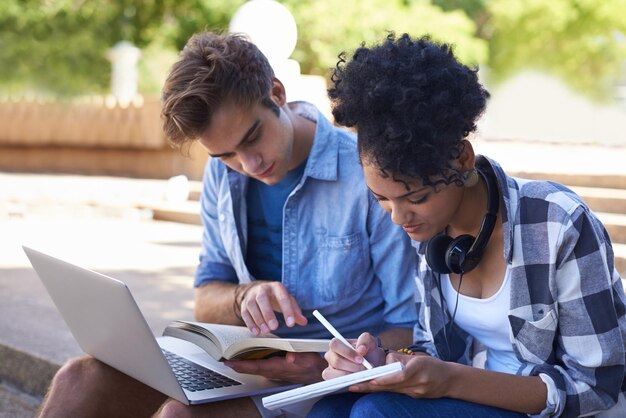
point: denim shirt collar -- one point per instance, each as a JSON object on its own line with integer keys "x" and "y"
{"x": 323, "y": 158}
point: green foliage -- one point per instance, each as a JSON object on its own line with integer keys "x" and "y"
{"x": 576, "y": 40}
{"x": 191, "y": 16}
{"x": 178, "y": 23}
{"x": 328, "y": 27}
{"x": 36, "y": 51}
{"x": 60, "y": 46}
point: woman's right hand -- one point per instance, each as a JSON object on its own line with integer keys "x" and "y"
{"x": 344, "y": 360}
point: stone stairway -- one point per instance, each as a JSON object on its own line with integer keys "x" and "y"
{"x": 605, "y": 194}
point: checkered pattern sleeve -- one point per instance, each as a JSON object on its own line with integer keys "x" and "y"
{"x": 422, "y": 338}
{"x": 586, "y": 325}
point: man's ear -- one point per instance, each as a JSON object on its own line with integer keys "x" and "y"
{"x": 278, "y": 94}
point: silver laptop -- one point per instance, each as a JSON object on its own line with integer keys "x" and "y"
{"x": 107, "y": 324}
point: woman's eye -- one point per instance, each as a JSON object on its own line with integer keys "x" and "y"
{"x": 420, "y": 200}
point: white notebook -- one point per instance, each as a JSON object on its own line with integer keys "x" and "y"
{"x": 319, "y": 389}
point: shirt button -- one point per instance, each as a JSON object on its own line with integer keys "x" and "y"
{"x": 222, "y": 217}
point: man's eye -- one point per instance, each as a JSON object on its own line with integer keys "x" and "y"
{"x": 254, "y": 137}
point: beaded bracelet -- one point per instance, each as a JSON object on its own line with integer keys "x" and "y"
{"x": 406, "y": 351}
{"x": 240, "y": 293}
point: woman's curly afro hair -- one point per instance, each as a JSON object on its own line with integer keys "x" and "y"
{"x": 412, "y": 103}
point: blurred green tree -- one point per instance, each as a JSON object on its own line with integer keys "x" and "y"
{"x": 328, "y": 27}
{"x": 579, "y": 41}
{"x": 60, "y": 46}
{"x": 582, "y": 42}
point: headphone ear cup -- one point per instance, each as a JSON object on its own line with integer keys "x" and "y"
{"x": 456, "y": 252}
{"x": 436, "y": 251}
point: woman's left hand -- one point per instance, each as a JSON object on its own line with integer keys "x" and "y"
{"x": 423, "y": 377}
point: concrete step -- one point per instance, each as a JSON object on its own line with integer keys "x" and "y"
{"x": 615, "y": 224}
{"x": 183, "y": 212}
{"x": 15, "y": 403}
{"x": 602, "y": 199}
{"x": 195, "y": 190}
{"x": 609, "y": 181}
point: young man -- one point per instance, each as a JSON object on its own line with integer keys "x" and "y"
{"x": 289, "y": 227}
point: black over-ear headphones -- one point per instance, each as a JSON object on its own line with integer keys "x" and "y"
{"x": 459, "y": 255}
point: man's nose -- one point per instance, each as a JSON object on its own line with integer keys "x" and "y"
{"x": 251, "y": 162}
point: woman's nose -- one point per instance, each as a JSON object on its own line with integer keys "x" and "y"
{"x": 398, "y": 215}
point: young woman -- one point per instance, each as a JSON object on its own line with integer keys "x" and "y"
{"x": 520, "y": 271}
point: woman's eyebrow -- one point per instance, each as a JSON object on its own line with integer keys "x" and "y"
{"x": 398, "y": 197}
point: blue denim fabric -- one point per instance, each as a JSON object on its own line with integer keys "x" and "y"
{"x": 385, "y": 404}
{"x": 341, "y": 252}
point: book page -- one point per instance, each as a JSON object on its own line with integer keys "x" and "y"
{"x": 243, "y": 348}
{"x": 226, "y": 335}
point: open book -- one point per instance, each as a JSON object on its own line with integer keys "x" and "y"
{"x": 228, "y": 342}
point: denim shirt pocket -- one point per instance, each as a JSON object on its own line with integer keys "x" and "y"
{"x": 342, "y": 266}
{"x": 533, "y": 341}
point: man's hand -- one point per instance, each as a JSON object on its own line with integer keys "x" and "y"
{"x": 258, "y": 301}
{"x": 302, "y": 368}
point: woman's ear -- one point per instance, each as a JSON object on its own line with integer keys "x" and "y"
{"x": 278, "y": 94}
{"x": 467, "y": 157}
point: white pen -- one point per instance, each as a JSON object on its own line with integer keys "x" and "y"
{"x": 337, "y": 335}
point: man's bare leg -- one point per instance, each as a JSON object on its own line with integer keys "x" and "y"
{"x": 236, "y": 408}
{"x": 86, "y": 387}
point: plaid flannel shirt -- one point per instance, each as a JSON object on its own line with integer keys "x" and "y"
{"x": 567, "y": 313}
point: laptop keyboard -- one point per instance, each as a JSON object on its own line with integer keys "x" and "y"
{"x": 194, "y": 377}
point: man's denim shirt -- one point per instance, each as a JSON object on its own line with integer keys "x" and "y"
{"x": 341, "y": 252}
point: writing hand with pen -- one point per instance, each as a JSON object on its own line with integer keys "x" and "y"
{"x": 422, "y": 376}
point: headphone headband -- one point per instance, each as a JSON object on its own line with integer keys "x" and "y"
{"x": 490, "y": 218}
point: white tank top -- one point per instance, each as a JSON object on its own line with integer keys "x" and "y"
{"x": 487, "y": 321}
